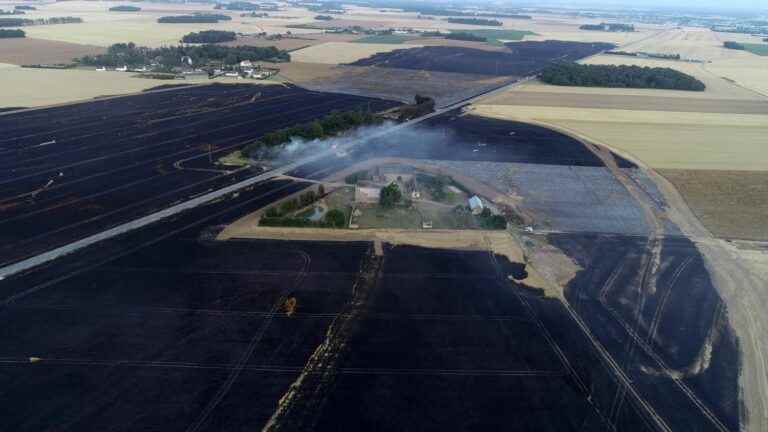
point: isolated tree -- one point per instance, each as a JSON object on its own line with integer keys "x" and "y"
{"x": 390, "y": 195}
{"x": 335, "y": 218}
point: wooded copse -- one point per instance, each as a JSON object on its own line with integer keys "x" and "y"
{"x": 209, "y": 36}
{"x": 7, "y": 34}
{"x": 132, "y": 55}
{"x": 574, "y": 74}
{"x": 330, "y": 125}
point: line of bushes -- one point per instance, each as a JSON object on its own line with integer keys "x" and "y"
{"x": 610, "y": 27}
{"x": 327, "y": 126}
{"x": 733, "y": 45}
{"x": 573, "y": 74}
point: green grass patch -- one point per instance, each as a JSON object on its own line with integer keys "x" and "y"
{"x": 495, "y": 37}
{"x": 384, "y": 39}
{"x": 756, "y": 48}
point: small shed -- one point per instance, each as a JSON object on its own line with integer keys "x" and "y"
{"x": 476, "y": 205}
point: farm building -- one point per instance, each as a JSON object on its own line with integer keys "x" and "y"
{"x": 475, "y": 204}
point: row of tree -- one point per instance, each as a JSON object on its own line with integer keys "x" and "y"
{"x": 475, "y": 21}
{"x": 573, "y": 74}
{"x": 21, "y": 22}
{"x": 611, "y": 27}
{"x": 196, "y": 18}
{"x": 132, "y": 55}
{"x": 125, "y": 8}
{"x": 209, "y": 36}
{"x": 327, "y": 126}
{"x": 733, "y": 45}
{"x": 7, "y": 34}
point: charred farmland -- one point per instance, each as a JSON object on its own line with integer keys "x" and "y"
{"x": 74, "y": 170}
{"x": 520, "y": 59}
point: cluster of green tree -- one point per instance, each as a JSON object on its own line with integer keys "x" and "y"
{"x": 611, "y": 27}
{"x": 324, "y": 17}
{"x": 733, "y": 45}
{"x": 464, "y": 36}
{"x": 254, "y": 15}
{"x": 651, "y": 55}
{"x": 573, "y": 74}
{"x": 160, "y": 76}
{"x": 330, "y": 125}
{"x": 125, "y": 8}
{"x": 435, "y": 185}
{"x": 490, "y": 221}
{"x": 390, "y": 195}
{"x": 13, "y": 12}
{"x": 209, "y": 36}
{"x": 51, "y": 66}
{"x": 765, "y": 40}
{"x": 475, "y": 21}
{"x": 423, "y": 106}
{"x": 333, "y": 219}
{"x": 20, "y": 22}
{"x": 7, "y": 34}
{"x": 196, "y": 18}
{"x": 281, "y": 215}
{"x": 25, "y": 8}
{"x": 131, "y": 55}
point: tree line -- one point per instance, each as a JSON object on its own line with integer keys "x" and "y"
{"x": 124, "y": 8}
{"x": 573, "y": 74}
{"x": 7, "y": 34}
{"x": 327, "y": 126}
{"x": 611, "y": 27}
{"x": 196, "y": 18}
{"x": 475, "y": 21}
{"x": 733, "y": 45}
{"x": 21, "y": 22}
{"x": 132, "y": 55}
{"x": 209, "y": 36}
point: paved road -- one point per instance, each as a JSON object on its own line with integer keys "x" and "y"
{"x": 194, "y": 202}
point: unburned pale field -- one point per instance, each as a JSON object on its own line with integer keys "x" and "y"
{"x": 342, "y": 52}
{"x": 672, "y": 140}
{"x": 23, "y": 87}
{"x": 730, "y": 204}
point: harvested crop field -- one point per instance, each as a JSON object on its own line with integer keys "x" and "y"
{"x": 520, "y": 58}
{"x": 40, "y": 87}
{"x": 68, "y": 173}
{"x": 292, "y": 43}
{"x": 716, "y": 78}
{"x": 679, "y": 140}
{"x": 340, "y": 52}
{"x": 627, "y": 102}
{"x": 730, "y": 204}
{"x": 26, "y": 51}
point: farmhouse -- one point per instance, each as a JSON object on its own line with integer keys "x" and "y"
{"x": 476, "y": 205}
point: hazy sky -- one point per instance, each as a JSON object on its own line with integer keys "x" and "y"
{"x": 756, "y": 5}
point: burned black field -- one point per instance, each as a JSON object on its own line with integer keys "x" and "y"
{"x": 71, "y": 171}
{"x": 674, "y": 342}
{"x": 521, "y": 58}
{"x": 459, "y": 136}
{"x": 179, "y": 332}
